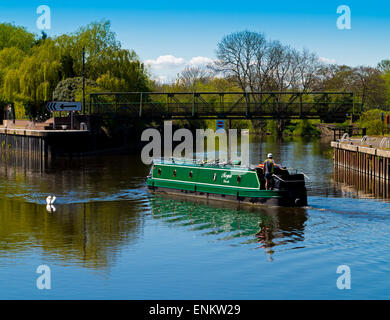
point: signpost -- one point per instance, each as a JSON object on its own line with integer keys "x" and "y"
{"x": 220, "y": 125}
{"x": 63, "y": 106}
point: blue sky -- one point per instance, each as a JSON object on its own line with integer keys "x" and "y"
{"x": 172, "y": 34}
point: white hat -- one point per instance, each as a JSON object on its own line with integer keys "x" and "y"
{"x": 270, "y": 155}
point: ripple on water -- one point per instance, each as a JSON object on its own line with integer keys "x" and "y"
{"x": 106, "y": 220}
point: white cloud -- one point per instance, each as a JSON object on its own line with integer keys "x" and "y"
{"x": 165, "y": 68}
{"x": 167, "y": 61}
{"x": 326, "y": 60}
{"x": 196, "y": 61}
{"x": 170, "y": 61}
{"x": 161, "y": 79}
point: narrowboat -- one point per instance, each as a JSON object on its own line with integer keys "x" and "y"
{"x": 227, "y": 182}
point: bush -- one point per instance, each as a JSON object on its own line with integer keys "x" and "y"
{"x": 271, "y": 127}
{"x": 371, "y": 120}
{"x": 305, "y": 128}
{"x": 67, "y": 89}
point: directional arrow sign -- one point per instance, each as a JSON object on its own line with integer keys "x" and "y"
{"x": 63, "y": 106}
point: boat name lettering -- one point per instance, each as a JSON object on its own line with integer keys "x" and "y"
{"x": 226, "y": 177}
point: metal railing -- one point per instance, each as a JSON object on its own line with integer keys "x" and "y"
{"x": 367, "y": 141}
{"x": 224, "y": 105}
{"x": 214, "y": 162}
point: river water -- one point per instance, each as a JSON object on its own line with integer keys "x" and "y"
{"x": 110, "y": 239}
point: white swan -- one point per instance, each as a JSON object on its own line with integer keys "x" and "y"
{"x": 50, "y": 208}
{"x": 50, "y": 200}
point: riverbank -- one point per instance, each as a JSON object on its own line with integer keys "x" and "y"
{"x": 365, "y": 159}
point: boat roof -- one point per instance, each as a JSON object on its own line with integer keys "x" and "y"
{"x": 204, "y": 163}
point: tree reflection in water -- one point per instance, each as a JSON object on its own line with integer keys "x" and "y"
{"x": 241, "y": 225}
{"x": 98, "y": 208}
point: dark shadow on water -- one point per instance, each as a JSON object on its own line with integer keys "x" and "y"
{"x": 260, "y": 227}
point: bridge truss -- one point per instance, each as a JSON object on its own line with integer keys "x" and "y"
{"x": 327, "y": 106}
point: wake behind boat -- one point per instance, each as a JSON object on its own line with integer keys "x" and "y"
{"x": 227, "y": 181}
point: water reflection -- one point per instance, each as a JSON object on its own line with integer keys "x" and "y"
{"x": 155, "y": 247}
{"x": 98, "y": 208}
{"x": 357, "y": 185}
{"x": 89, "y": 234}
{"x": 264, "y": 227}
{"x": 102, "y": 205}
{"x": 11, "y": 159}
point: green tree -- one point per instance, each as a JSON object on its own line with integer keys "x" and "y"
{"x": 371, "y": 120}
{"x": 30, "y": 69}
{"x": 18, "y": 37}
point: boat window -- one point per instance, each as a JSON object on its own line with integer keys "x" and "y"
{"x": 159, "y": 171}
{"x": 191, "y": 174}
{"x": 238, "y": 179}
{"x": 174, "y": 173}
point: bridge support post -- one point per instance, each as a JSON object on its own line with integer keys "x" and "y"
{"x": 140, "y": 106}
{"x": 247, "y": 100}
{"x": 300, "y": 105}
{"x": 193, "y": 104}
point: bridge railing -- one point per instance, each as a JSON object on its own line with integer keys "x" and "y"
{"x": 205, "y": 105}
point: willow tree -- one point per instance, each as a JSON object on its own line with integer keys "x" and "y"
{"x": 31, "y": 79}
{"x": 120, "y": 70}
{"x": 15, "y": 36}
{"x": 95, "y": 38}
{"x": 40, "y": 72}
{"x": 31, "y": 67}
{"x": 114, "y": 68}
{"x": 10, "y": 60}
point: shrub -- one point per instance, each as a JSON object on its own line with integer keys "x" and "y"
{"x": 306, "y": 128}
{"x": 371, "y": 120}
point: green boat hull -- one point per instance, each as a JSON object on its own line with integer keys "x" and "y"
{"x": 221, "y": 184}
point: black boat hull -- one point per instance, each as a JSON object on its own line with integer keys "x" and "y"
{"x": 291, "y": 199}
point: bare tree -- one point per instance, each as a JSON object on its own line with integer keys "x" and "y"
{"x": 369, "y": 85}
{"x": 308, "y": 71}
{"x": 191, "y": 75}
{"x": 260, "y": 65}
{"x": 238, "y": 56}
